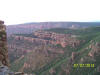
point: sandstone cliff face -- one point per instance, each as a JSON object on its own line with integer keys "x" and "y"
{"x": 43, "y": 37}
{"x": 40, "y": 48}
{"x": 3, "y": 45}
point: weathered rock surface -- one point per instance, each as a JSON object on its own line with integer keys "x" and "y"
{"x": 3, "y": 45}
{"x": 4, "y": 64}
{"x": 95, "y": 49}
{"x": 43, "y": 37}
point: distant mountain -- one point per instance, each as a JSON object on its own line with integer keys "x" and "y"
{"x": 33, "y": 26}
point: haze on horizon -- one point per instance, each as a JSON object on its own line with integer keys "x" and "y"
{"x": 22, "y": 11}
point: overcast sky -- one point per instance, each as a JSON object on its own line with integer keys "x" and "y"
{"x": 21, "y": 11}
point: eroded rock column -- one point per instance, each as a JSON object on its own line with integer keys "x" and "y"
{"x": 3, "y": 45}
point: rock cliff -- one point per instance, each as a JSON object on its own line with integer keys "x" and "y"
{"x": 43, "y": 37}
{"x": 3, "y": 45}
{"x": 56, "y": 52}
{"x": 4, "y": 61}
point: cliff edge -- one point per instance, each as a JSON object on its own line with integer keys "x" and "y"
{"x": 4, "y": 65}
{"x": 3, "y": 45}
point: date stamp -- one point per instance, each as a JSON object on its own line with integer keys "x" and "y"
{"x": 84, "y": 65}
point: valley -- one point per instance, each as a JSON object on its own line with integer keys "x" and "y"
{"x": 54, "y": 51}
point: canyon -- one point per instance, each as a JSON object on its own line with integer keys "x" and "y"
{"x": 50, "y": 48}
{"x": 55, "y": 51}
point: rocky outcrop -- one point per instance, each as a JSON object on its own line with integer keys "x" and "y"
{"x": 44, "y": 37}
{"x": 55, "y": 38}
{"x": 4, "y": 65}
{"x": 3, "y": 45}
{"x": 95, "y": 49}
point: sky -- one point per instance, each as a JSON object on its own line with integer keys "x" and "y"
{"x": 22, "y": 11}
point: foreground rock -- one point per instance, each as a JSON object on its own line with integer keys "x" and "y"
{"x": 4, "y": 65}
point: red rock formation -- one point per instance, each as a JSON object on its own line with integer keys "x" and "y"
{"x": 95, "y": 49}
{"x": 44, "y": 37}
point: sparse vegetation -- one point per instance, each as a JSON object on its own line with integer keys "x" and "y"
{"x": 61, "y": 64}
